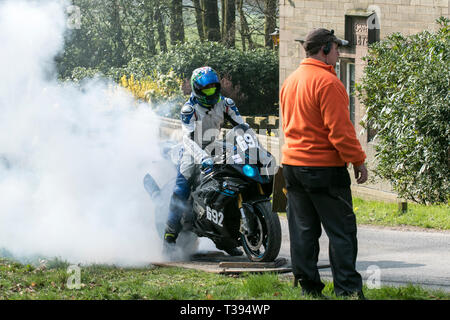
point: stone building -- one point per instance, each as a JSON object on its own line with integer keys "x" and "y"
{"x": 361, "y": 23}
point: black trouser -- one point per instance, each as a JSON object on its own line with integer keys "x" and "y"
{"x": 322, "y": 195}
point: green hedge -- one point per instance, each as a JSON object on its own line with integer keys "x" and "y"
{"x": 405, "y": 89}
{"x": 253, "y": 75}
{"x": 250, "y": 77}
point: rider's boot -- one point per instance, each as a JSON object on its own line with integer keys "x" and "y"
{"x": 170, "y": 238}
{"x": 173, "y": 226}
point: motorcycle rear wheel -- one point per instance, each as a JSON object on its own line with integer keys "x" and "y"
{"x": 264, "y": 244}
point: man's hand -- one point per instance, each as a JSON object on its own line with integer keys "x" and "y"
{"x": 360, "y": 173}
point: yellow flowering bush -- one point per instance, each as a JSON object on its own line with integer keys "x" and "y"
{"x": 162, "y": 91}
{"x": 155, "y": 88}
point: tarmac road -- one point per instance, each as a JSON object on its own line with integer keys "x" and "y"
{"x": 398, "y": 257}
{"x": 394, "y": 257}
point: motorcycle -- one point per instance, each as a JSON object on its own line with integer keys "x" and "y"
{"x": 230, "y": 203}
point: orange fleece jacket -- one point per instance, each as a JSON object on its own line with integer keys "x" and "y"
{"x": 316, "y": 120}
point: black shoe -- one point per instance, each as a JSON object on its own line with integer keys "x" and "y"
{"x": 361, "y": 296}
{"x": 354, "y": 295}
{"x": 234, "y": 252}
{"x": 314, "y": 294}
{"x": 317, "y": 294}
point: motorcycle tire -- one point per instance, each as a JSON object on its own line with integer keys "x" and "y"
{"x": 267, "y": 235}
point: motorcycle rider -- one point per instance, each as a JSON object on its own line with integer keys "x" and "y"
{"x": 201, "y": 119}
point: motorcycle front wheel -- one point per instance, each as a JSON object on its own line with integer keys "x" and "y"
{"x": 263, "y": 244}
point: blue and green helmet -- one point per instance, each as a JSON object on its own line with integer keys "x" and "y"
{"x": 205, "y": 77}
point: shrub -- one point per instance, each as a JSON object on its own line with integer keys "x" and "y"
{"x": 162, "y": 91}
{"x": 405, "y": 89}
{"x": 80, "y": 73}
{"x": 250, "y": 77}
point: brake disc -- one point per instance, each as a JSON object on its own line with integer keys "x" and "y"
{"x": 258, "y": 238}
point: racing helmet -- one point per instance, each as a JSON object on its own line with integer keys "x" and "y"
{"x": 205, "y": 86}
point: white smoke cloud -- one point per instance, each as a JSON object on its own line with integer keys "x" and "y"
{"x": 71, "y": 161}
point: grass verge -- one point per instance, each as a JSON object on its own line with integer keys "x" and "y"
{"x": 380, "y": 213}
{"x": 388, "y": 214}
{"x": 20, "y": 281}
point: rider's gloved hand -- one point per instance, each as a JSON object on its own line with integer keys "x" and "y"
{"x": 207, "y": 163}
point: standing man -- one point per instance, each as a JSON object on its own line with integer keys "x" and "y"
{"x": 319, "y": 142}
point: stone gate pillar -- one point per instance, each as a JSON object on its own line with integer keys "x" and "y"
{"x": 361, "y": 36}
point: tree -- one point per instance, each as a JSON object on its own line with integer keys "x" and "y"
{"x": 102, "y": 40}
{"x": 245, "y": 30}
{"x": 405, "y": 89}
{"x": 211, "y": 25}
{"x": 115, "y": 33}
{"x": 160, "y": 27}
{"x": 199, "y": 19}
{"x": 176, "y": 22}
{"x": 149, "y": 21}
{"x": 229, "y": 23}
{"x": 116, "y": 29}
{"x": 270, "y": 14}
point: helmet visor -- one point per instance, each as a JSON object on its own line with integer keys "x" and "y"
{"x": 209, "y": 91}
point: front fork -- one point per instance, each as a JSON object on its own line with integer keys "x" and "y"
{"x": 245, "y": 229}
